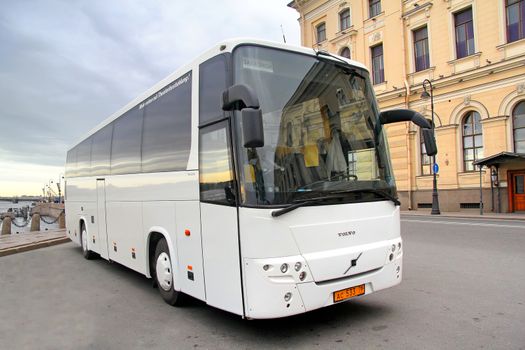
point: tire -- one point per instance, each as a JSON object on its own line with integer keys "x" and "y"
{"x": 88, "y": 254}
{"x": 163, "y": 274}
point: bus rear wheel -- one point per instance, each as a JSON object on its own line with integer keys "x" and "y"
{"x": 88, "y": 254}
{"x": 163, "y": 273}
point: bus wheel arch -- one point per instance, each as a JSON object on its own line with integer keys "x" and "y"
{"x": 155, "y": 234}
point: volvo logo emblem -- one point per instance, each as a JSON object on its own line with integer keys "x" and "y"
{"x": 353, "y": 263}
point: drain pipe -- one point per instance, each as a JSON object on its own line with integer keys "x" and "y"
{"x": 407, "y": 105}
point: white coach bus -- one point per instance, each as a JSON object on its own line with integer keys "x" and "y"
{"x": 257, "y": 179}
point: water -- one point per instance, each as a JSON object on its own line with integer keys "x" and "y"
{"x": 4, "y": 206}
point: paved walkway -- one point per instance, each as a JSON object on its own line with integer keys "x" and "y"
{"x": 467, "y": 215}
{"x": 16, "y": 243}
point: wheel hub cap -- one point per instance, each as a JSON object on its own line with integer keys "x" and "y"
{"x": 164, "y": 273}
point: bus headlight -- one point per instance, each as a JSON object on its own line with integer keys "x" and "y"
{"x": 284, "y": 268}
{"x": 288, "y": 297}
{"x": 302, "y": 275}
{"x": 298, "y": 266}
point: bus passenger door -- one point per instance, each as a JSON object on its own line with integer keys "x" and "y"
{"x": 219, "y": 228}
{"x": 101, "y": 219}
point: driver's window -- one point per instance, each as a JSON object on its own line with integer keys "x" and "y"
{"x": 215, "y": 165}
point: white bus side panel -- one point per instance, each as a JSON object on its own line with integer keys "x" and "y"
{"x": 81, "y": 205}
{"x": 189, "y": 248}
{"x": 126, "y": 195}
{"x": 221, "y": 257}
{"x": 124, "y": 223}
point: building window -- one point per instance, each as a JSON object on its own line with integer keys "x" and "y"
{"x": 422, "y": 56}
{"x": 426, "y": 160}
{"x": 344, "y": 19}
{"x": 464, "y": 33}
{"x": 374, "y": 7}
{"x": 515, "y": 11}
{"x": 345, "y": 52}
{"x": 321, "y": 32}
{"x": 472, "y": 140}
{"x": 378, "y": 69}
{"x": 518, "y": 125}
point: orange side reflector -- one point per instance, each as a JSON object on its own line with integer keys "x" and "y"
{"x": 190, "y": 267}
{"x": 187, "y": 232}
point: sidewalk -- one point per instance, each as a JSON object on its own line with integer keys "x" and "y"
{"x": 466, "y": 215}
{"x": 16, "y": 243}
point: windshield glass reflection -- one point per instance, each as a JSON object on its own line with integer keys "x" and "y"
{"x": 320, "y": 128}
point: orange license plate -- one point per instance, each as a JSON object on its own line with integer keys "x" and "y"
{"x": 348, "y": 293}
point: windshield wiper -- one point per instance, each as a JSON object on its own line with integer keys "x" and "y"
{"x": 379, "y": 193}
{"x": 302, "y": 203}
{"x": 347, "y": 68}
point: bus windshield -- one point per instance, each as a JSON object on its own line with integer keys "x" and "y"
{"x": 321, "y": 130}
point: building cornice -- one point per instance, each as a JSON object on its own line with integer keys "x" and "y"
{"x": 462, "y": 77}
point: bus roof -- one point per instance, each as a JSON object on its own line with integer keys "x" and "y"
{"x": 225, "y": 46}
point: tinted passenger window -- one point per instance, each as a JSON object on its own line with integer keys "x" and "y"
{"x": 125, "y": 149}
{"x": 100, "y": 151}
{"x": 212, "y": 82}
{"x": 216, "y": 174}
{"x": 71, "y": 162}
{"x": 84, "y": 158}
{"x": 167, "y": 127}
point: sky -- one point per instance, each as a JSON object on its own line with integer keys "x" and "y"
{"x": 67, "y": 65}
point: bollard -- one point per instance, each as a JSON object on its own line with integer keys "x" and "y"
{"x": 35, "y": 222}
{"x": 62, "y": 220}
{"x": 6, "y": 226}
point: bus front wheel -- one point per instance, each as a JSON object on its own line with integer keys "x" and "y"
{"x": 164, "y": 274}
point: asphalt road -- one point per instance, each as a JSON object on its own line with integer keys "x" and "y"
{"x": 463, "y": 288}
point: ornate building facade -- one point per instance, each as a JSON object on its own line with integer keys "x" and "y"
{"x": 473, "y": 53}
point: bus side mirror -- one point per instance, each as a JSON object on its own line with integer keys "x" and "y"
{"x": 242, "y": 97}
{"x": 407, "y": 115}
{"x": 252, "y": 128}
{"x": 430, "y": 141}
{"x": 404, "y": 115}
{"x": 239, "y": 96}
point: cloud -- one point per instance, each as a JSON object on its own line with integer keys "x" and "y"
{"x": 67, "y": 65}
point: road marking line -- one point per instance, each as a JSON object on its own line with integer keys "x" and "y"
{"x": 461, "y": 223}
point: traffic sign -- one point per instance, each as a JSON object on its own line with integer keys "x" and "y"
{"x": 436, "y": 168}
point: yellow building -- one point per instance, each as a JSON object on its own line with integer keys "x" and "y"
{"x": 473, "y": 52}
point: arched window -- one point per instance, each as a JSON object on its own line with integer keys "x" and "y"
{"x": 344, "y": 19}
{"x": 472, "y": 140}
{"x": 426, "y": 160}
{"x": 345, "y": 52}
{"x": 518, "y": 125}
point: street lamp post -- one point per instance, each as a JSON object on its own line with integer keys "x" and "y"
{"x": 435, "y": 197}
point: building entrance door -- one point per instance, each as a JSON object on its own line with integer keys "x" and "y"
{"x": 517, "y": 190}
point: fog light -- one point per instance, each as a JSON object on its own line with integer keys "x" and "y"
{"x": 288, "y": 297}
{"x": 284, "y": 268}
{"x": 298, "y": 266}
{"x": 398, "y": 269}
{"x": 266, "y": 267}
{"x": 302, "y": 275}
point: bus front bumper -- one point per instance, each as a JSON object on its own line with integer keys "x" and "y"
{"x": 285, "y": 296}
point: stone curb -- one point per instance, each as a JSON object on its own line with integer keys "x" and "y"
{"x": 464, "y": 216}
{"x": 32, "y": 246}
